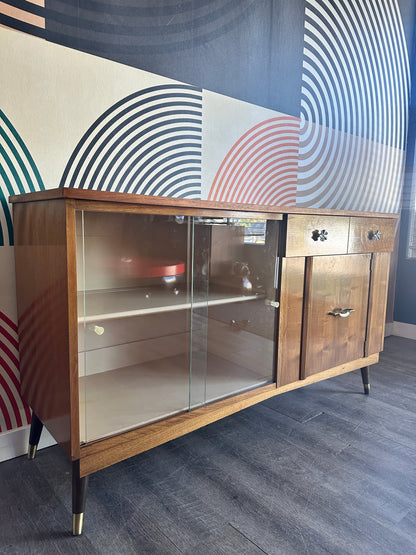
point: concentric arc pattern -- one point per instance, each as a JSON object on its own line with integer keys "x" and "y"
{"x": 14, "y": 412}
{"x": 261, "y": 167}
{"x": 147, "y": 143}
{"x": 355, "y": 88}
{"x": 18, "y": 174}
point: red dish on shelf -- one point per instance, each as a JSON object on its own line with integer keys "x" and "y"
{"x": 152, "y": 267}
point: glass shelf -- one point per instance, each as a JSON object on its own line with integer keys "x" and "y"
{"x": 112, "y": 304}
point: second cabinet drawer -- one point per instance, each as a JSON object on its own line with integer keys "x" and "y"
{"x": 371, "y": 235}
{"x": 315, "y": 235}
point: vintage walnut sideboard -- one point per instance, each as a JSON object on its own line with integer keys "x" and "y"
{"x": 144, "y": 318}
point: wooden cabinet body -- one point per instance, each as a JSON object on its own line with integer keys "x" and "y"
{"x": 229, "y": 323}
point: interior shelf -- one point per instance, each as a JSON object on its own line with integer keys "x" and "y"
{"x": 121, "y": 303}
{"x": 115, "y": 401}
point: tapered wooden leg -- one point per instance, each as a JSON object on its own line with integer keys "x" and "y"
{"x": 79, "y": 495}
{"x": 36, "y": 427}
{"x": 365, "y": 374}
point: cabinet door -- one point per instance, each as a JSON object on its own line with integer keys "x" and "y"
{"x": 331, "y": 334}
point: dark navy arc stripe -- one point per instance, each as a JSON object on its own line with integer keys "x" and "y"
{"x": 348, "y": 94}
{"x": 27, "y": 28}
{"x": 116, "y": 118}
{"x": 28, "y": 7}
{"x": 107, "y": 147}
{"x": 150, "y": 26}
{"x": 140, "y": 11}
{"x": 119, "y": 160}
{"x": 332, "y": 108}
{"x": 122, "y": 167}
{"x": 178, "y": 182}
{"x": 138, "y": 186}
{"x": 150, "y": 170}
{"x": 164, "y": 175}
{"x": 114, "y": 107}
{"x": 310, "y": 95}
{"x": 162, "y": 156}
{"x": 112, "y": 47}
{"x": 94, "y": 140}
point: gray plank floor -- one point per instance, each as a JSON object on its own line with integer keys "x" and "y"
{"x": 324, "y": 469}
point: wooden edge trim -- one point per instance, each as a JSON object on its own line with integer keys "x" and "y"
{"x": 306, "y": 318}
{"x": 103, "y": 453}
{"x": 71, "y": 274}
{"x": 178, "y": 210}
{"x": 107, "y": 196}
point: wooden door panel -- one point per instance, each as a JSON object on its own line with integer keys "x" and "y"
{"x": 334, "y": 283}
{"x": 290, "y": 320}
{"x": 379, "y": 283}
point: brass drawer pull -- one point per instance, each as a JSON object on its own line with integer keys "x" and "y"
{"x": 343, "y": 312}
{"x": 319, "y": 235}
{"x": 374, "y": 235}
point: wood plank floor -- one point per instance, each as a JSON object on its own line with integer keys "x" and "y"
{"x": 324, "y": 469}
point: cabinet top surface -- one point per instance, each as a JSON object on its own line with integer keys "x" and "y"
{"x": 147, "y": 200}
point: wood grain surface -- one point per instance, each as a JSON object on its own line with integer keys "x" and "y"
{"x": 377, "y": 302}
{"x": 333, "y": 283}
{"x": 290, "y": 320}
{"x": 46, "y": 299}
{"x": 362, "y": 236}
{"x": 106, "y": 196}
{"x": 300, "y": 235}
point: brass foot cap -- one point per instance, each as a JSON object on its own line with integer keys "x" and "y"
{"x": 31, "y": 452}
{"x": 367, "y": 388}
{"x": 77, "y": 521}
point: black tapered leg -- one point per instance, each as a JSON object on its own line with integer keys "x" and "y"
{"x": 36, "y": 427}
{"x": 365, "y": 374}
{"x": 79, "y": 495}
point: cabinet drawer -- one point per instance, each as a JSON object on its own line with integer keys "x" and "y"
{"x": 371, "y": 235}
{"x": 315, "y": 235}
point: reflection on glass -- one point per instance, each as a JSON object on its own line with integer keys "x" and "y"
{"x": 134, "y": 311}
{"x": 239, "y": 330}
{"x": 174, "y": 312}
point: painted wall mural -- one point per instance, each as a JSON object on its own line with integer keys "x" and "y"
{"x": 354, "y": 107}
{"x": 18, "y": 174}
{"x": 147, "y": 143}
{"x": 14, "y": 412}
{"x": 279, "y": 102}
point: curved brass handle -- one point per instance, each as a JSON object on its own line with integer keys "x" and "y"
{"x": 343, "y": 312}
{"x": 319, "y": 235}
{"x": 375, "y": 235}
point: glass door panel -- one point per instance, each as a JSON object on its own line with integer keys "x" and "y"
{"x": 237, "y": 322}
{"x": 134, "y": 307}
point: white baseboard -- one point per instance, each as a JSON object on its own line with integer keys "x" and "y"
{"x": 14, "y": 443}
{"x": 388, "y": 330}
{"x": 401, "y": 330}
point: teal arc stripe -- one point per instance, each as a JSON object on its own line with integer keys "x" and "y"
{"x": 27, "y": 154}
{"x": 19, "y": 161}
{"x": 12, "y": 168}
{"x": 7, "y": 215}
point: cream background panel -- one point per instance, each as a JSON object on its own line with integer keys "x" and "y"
{"x": 54, "y": 94}
{"x": 224, "y": 121}
{"x": 7, "y": 283}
